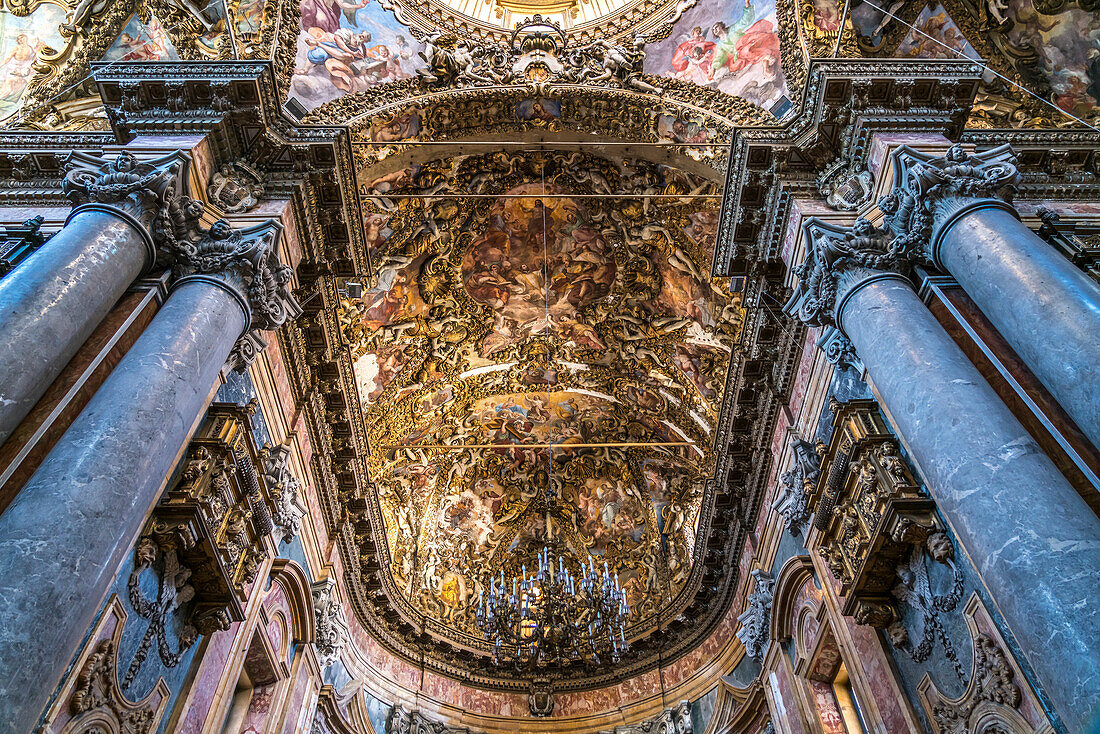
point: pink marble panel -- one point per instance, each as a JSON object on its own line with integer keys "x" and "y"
{"x": 213, "y": 665}
{"x": 783, "y": 689}
{"x": 298, "y": 697}
{"x": 883, "y": 143}
{"x": 828, "y": 711}
{"x": 880, "y": 676}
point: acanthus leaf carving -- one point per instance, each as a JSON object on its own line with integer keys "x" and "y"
{"x": 756, "y": 618}
{"x": 992, "y": 680}
{"x": 287, "y": 510}
{"x": 247, "y": 259}
{"x": 142, "y": 189}
{"x": 332, "y": 627}
{"x": 796, "y": 484}
{"x": 932, "y": 190}
{"x": 97, "y": 699}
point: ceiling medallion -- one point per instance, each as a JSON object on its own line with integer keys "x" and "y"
{"x": 550, "y": 619}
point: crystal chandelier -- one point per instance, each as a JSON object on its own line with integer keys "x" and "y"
{"x": 552, "y": 618}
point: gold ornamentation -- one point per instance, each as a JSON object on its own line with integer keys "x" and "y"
{"x": 869, "y": 511}
{"x": 472, "y": 359}
{"x": 97, "y": 702}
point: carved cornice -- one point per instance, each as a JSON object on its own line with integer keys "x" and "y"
{"x": 838, "y": 261}
{"x": 869, "y": 512}
{"x": 216, "y": 517}
{"x": 845, "y": 103}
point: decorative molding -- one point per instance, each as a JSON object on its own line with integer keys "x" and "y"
{"x": 91, "y": 699}
{"x": 997, "y": 698}
{"x": 245, "y": 259}
{"x": 174, "y": 591}
{"x": 403, "y": 721}
{"x": 19, "y": 241}
{"x": 235, "y": 188}
{"x": 331, "y": 626}
{"x": 1078, "y": 241}
{"x": 797, "y": 483}
{"x": 838, "y": 260}
{"x": 287, "y": 509}
{"x": 214, "y": 522}
{"x": 756, "y": 619}
{"x": 869, "y": 512}
{"x": 675, "y": 720}
{"x": 846, "y": 102}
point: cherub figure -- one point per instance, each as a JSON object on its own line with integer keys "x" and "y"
{"x": 624, "y": 65}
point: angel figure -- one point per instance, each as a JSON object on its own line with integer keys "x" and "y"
{"x": 624, "y": 65}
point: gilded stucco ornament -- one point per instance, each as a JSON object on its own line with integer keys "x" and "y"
{"x": 538, "y": 54}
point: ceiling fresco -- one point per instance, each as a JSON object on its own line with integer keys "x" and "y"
{"x": 1049, "y": 47}
{"x": 730, "y": 46}
{"x": 743, "y": 50}
{"x": 539, "y": 363}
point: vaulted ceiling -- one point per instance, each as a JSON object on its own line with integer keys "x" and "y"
{"x": 540, "y": 358}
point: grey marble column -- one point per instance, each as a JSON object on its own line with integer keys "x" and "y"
{"x": 1033, "y": 539}
{"x": 1044, "y": 307}
{"x": 68, "y": 531}
{"x": 51, "y": 305}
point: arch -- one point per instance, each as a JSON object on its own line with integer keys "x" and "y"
{"x": 295, "y": 583}
{"x": 791, "y": 579}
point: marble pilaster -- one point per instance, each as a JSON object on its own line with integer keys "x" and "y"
{"x": 65, "y": 535}
{"x": 50, "y": 305}
{"x": 1032, "y": 537}
{"x": 957, "y": 209}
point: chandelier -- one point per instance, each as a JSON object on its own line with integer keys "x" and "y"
{"x": 552, "y": 618}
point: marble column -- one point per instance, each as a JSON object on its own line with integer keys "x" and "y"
{"x": 65, "y": 536}
{"x": 51, "y": 305}
{"x": 1033, "y": 539}
{"x": 957, "y": 209}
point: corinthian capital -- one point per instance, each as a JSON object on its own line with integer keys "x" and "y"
{"x": 837, "y": 260}
{"x": 931, "y": 192}
{"x": 141, "y": 189}
{"x": 247, "y": 261}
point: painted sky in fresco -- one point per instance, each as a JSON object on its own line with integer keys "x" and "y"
{"x": 21, "y": 42}
{"x": 729, "y": 45}
{"x": 347, "y": 47}
{"x": 142, "y": 42}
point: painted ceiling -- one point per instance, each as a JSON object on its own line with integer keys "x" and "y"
{"x": 744, "y": 48}
{"x": 539, "y": 363}
{"x": 539, "y": 349}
